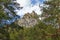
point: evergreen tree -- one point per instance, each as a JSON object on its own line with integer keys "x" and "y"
{"x": 8, "y": 10}
{"x": 7, "y": 17}
{"x": 51, "y": 14}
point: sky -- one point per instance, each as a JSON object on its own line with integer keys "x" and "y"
{"x": 29, "y": 6}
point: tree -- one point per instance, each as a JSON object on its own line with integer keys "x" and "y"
{"x": 8, "y": 11}
{"x": 7, "y": 17}
{"x": 51, "y": 12}
{"x": 52, "y": 15}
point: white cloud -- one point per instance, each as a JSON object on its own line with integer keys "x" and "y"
{"x": 28, "y": 7}
{"x": 24, "y": 3}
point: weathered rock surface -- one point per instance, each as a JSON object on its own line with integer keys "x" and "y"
{"x": 28, "y": 20}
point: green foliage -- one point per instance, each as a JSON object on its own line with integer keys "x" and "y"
{"x": 41, "y": 31}
{"x": 3, "y": 5}
{"x": 51, "y": 12}
{"x": 2, "y": 14}
{"x": 5, "y": 1}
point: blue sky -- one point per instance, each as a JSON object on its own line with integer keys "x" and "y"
{"x": 34, "y": 1}
{"x": 29, "y": 6}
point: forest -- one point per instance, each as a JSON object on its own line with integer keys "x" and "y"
{"x": 48, "y": 28}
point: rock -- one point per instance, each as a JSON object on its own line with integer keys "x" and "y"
{"x": 28, "y": 20}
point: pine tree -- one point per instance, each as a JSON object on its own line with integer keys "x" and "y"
{"x": 7, "y": 17}
{"x": 8, "y": 11}
{"x": 51, "y": 14}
